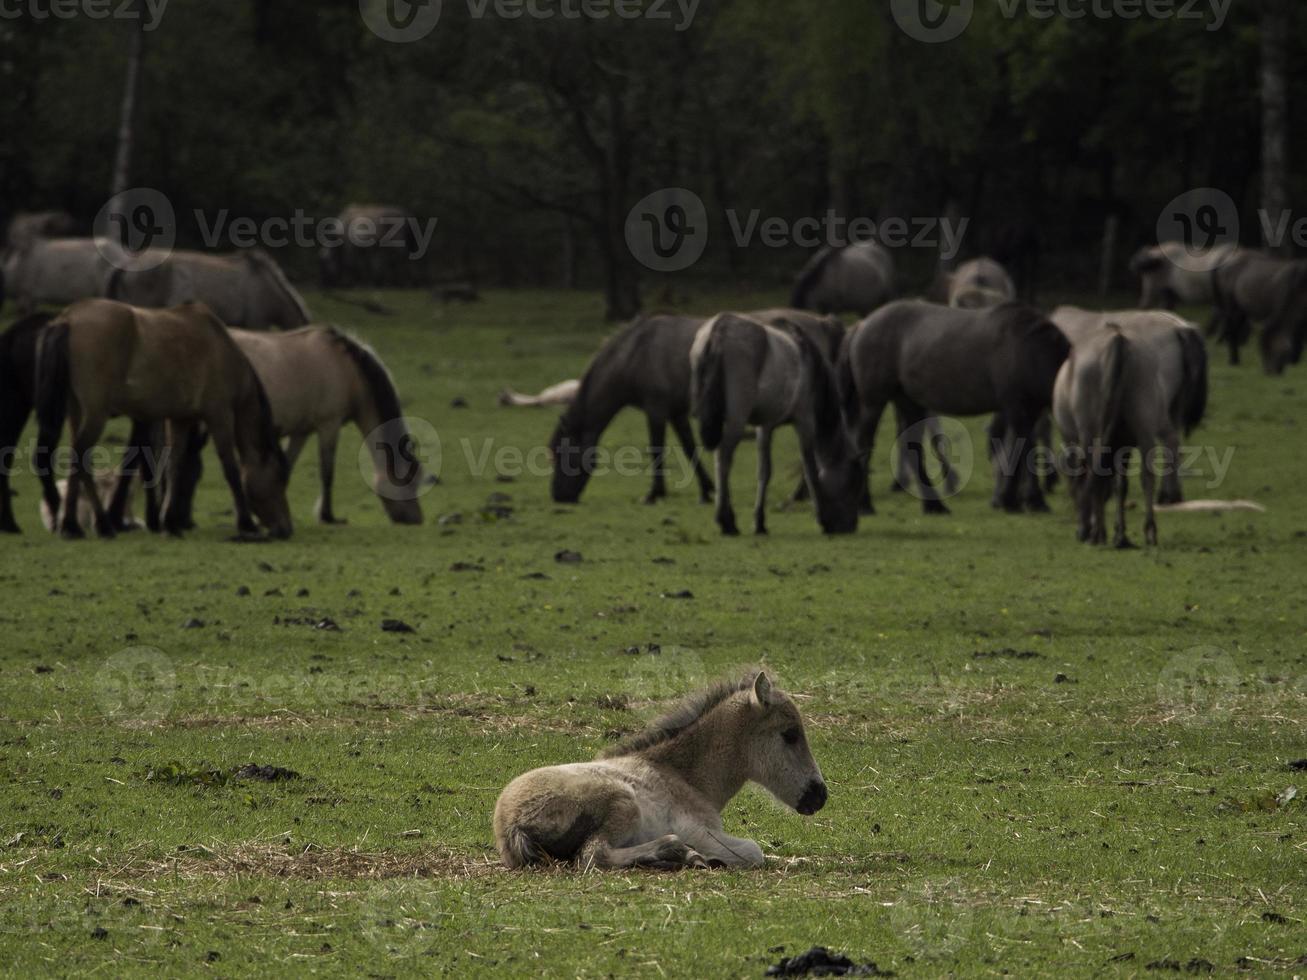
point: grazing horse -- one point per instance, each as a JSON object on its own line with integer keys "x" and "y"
{"x": 747, "y": 373}
{"x": 656, "y": 799}
{"x": 377, "y": 246}
{"x": 928, "y": 360}
{"x": 980, "y": 283}
{"x": 1182, "y": 362}
{"x": 247, "y": 289}
{"x": 18, "y": 347}
{"x": 1172, "y": 274}
{"x": 29, "y": 226}
{"x": 856, "y": 278}
{"x": 101, "y": 359}
{"x": 645, "y": 365}
{"x": 59, "y": 271}
{"x": 317, "y": 379}
{"x": 1108, "y": 399}
{"x": 1258, "y": 288}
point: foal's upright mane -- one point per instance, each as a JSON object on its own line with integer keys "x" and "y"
{"x": 684, "y": 716}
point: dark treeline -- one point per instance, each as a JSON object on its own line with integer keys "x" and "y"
{"x": 530, "y": 139}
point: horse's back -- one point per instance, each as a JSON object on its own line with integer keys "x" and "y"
{"x": 307, "y": 374}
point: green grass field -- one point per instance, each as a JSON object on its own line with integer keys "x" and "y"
{"x": 1044, "y": 760}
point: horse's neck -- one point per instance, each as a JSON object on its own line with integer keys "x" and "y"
{"x": 709, "y": 757}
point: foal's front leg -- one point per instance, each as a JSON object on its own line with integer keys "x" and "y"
{"x": 764, "y": 478}
{"x": 723, "y": 850}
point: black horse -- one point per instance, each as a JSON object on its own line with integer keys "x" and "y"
{"x": 18, "y": 347}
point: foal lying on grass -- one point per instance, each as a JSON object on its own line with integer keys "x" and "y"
{"x": 655, "y": 800}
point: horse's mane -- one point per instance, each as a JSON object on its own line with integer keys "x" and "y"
{"x": 811, "y": 275}
{"x": 263, "y": 260}
{"x": 684, "y": 716}
{"x": 375, "y": 374}
{"x": 826, "y": 394}
{"x": 606, "y": 357}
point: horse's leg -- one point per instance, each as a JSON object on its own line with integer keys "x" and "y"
{"x": 901, "y": 462}
{"x": 225, "y": 446}
{"x": 151, "y": 478}
{"x": 1026, "y": 477}
{"x": 764, "y": 478}
{"x": 864, "y": 435}
{"x": 294, "y": 446}
{"x": 912, "y": 417}
{"x": 11, "y": 421}
{"x": 725, "y": 512}
{"x": 326, "y": 473}
{"x": 178, "y": 439}
{"x": 621, "y": 818}
{"x": 658, "y": 452}
{"x": 1148, "y": 479}
{"x": 939, "y": 444}
{"x": 722, "y": 850}
{"x": 1044, "y": 439}
{"x": 87, "y": 432}
{"x": 137, "y": 444}
{"x": 1122, "y": 479}
{"x": 685, "y": 432}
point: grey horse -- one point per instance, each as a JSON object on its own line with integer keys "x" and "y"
{"x": 857, "y": 278}
{"x": 747, "y": 373}
{"x": 1255, "y": 287}
{"x": 1172, "y": 274}
{"x": 1108, "y": 400}
{"x": 29, "y": 226}
{"x": 376, "y": 251}
{"x": 647, "y": 365}
{"x": 1182, "y": 368}
{"x": 980, "y": 283}
{"x": 247, "y": 289}
{"x": 928, "y": 359}
{"x": 61, "y": 271}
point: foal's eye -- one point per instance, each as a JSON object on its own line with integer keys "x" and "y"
{"x": 791, "y": 736}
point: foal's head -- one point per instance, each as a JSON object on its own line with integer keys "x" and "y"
{"x": 777, "y": 755}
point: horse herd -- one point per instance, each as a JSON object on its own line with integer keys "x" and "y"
{"x": 1113, "y": 383}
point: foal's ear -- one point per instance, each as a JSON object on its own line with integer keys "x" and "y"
{"x": 762, "y": 689}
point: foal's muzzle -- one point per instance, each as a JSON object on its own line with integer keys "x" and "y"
{"x": 813, "y": 799}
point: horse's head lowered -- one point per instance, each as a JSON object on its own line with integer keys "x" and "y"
{"x": 778, "y": 757}
{"x": 572, "y": 447}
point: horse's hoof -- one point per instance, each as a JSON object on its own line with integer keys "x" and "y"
{"x": 1038, "y": 507}
{"x": 730, "y": 532}
{"x": 897, "y": 487}
{"x": 867, "y": 511}
{"x": 760, "y": 529}
{"x": 332, "y": 521}
{"x": 10, "y": 528}
{"x": 652, "y": 498}
{"x": 935, "y": 507}
{"x": 1124, "y": 544}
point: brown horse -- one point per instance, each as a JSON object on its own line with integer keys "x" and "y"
{"x": 101, "y": 359}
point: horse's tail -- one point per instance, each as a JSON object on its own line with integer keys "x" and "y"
{"x": 845, "y": 381}
{"x": 53, "y": 386}
{"x": 1112, "y": 380}
{"x": 1193, "y": 387}
{"x": 518, "y": 849}
{"x": 710, "y": 391}
{"x": 113, "y": 286}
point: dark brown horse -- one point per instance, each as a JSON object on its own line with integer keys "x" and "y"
{"x": 101, "y": 359}
{"x": 18, "y": 347}
{"x": 930, "y": 360}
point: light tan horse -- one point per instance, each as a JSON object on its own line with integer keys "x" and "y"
{"x": 100, "y": 360}
{"x": 656, "y": 799}
{"x": 563, "y": 393}
{"x": 319, "y": 378}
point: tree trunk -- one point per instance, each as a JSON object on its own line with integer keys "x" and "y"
{"x": 122, "y": 167}
{"x": 1275, "y": 114}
